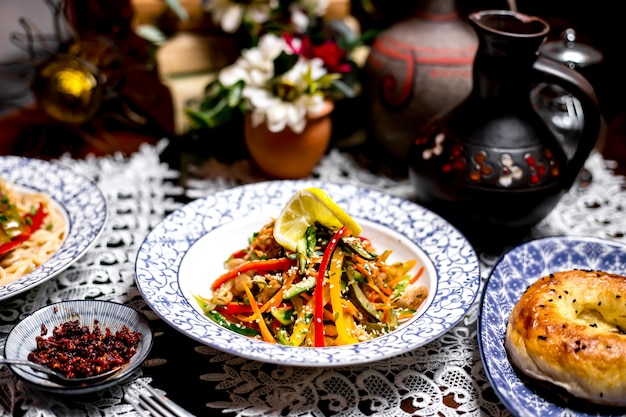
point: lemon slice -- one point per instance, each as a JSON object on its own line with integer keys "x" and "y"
{"x": 305, "y": 208}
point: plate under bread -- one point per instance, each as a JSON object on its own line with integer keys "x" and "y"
{"x": 514, "y": 271}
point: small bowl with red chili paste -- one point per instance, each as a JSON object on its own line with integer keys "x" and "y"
{"x": 80, "y": 338}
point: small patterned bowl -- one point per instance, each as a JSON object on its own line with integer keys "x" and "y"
{"x": 22, "y": 339}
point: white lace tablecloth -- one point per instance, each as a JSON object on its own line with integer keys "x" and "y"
{"x": 443, "y": 378}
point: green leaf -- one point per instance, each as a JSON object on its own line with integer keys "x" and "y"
{"x": 212, "y": 116}
{"x": 343, "y": 88}
{"x": 213, "y": 88}
{"x": 235, "y": 94}
{"x": 327, "y": 80}
{"x": 217, "y": 107}
{"x": 197, "y": 119}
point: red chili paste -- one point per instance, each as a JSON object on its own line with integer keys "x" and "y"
{"x": 78, "y": 352}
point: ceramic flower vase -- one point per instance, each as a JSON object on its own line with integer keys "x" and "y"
{"x": 286, "y": 154}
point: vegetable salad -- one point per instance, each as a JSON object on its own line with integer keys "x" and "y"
{"x": 336, "y": 289}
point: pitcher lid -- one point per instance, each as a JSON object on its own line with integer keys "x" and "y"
{"x": 569, "y": 52}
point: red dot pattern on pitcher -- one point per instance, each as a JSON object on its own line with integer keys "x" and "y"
{"x": 554, "y": 165}
{"x": 457, "y": 161}
{"x": 535, "y": 170}
{"x": 481, "y": 167}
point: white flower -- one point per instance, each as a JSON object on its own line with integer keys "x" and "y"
{"x": 255, "y": 66}
{"x": 301, "y": 12}
{"x": 299, "y": 20}
{"x": 281, "y": 112}
{"x": 230, "y": 14}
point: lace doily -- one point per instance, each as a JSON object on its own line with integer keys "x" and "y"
{"x": 443, "y": 378}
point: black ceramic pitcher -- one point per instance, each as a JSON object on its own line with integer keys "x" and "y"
{"x": 491, "y": 165}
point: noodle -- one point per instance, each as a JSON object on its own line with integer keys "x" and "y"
{"x": 41, "y": 244}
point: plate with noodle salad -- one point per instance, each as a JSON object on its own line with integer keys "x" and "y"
{"x": 49, "y": 217}
{"x": 239, "y": 270}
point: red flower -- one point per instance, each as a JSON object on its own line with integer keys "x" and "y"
{"x": 334, "y": 57}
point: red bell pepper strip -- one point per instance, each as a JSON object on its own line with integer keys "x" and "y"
{"x": 9, "y": 246}
{"x": 240, "y": 308}
{"x": 235, "y": 308}
{"x": 239, "y": 254}
{"x": 32, "y": 222}
{"x": 278, "y": 264}
{"x": 318, "y": 312}
{"x": 36, "y": 219}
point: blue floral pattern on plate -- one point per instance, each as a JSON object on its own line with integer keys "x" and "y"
{"x": 161, "y": 258}
{"x": 511, "y": 275}
{"x": 81, "y": 202}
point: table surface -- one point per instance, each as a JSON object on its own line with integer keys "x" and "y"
{"x": 443, "y": 378}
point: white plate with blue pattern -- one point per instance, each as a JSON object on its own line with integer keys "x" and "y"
{"x": 79, "y": 200}
{"x": 186, "y": 251}
{"x": 511, "y": 275}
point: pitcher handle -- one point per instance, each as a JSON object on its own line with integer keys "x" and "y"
{"x": 551, "y": 72}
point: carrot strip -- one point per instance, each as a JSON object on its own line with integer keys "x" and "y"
{"x": 330, "y": 330}
{"x": 350, "y": 308}
{"x": 384, "y": 297}
{"x": 400, "y": 272}
{"x": 278, "y": 297}
{"x": 386, "y": 291}
{"x": 406, "y": 315}
{"x": 417, "y": 275}
{"x": 359, "y": 267}
{"x": 267, "y": 335}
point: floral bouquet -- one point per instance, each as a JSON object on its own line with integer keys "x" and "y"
{"x": 290, "y": 70}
